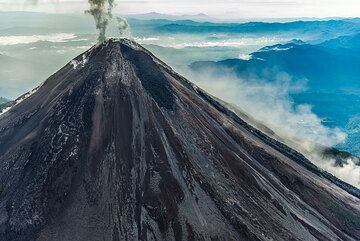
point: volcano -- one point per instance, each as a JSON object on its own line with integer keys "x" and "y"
{"x": 117, "y": 146}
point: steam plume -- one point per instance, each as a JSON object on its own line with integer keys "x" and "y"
{"x": 123, "y": 25}
{"x": 101, "y": 10}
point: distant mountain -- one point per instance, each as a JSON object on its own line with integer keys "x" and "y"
{"x": 323, "y": 29}
{"x": 155, "y": 15}
{"x": 117, "y": 146}
{"x": 33, "y": 23}
{"x": 331, "y": 70}
{"x": 323, "y": 67}
{"x": 349, "y": 43}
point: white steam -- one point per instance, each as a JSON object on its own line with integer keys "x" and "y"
{"x": 122, "y": 25}
{"x": 101, "y": 10}
{"x": 270, "y": 104}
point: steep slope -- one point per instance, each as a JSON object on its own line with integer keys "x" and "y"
{"x": 116, "y": 146}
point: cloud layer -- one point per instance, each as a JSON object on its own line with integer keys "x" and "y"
{"x": 55, "y": 38}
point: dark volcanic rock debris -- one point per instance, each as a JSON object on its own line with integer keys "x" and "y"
{"x": 116, "y": 146}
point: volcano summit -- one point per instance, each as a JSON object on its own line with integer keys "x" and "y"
{"x": 117, "y": 146}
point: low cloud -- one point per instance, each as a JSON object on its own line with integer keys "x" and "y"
{"x": 270, "y": 103}
{"x": 55, "y": 38}
{"x": 348, "y": 171}
{"x": 183, "y": 42}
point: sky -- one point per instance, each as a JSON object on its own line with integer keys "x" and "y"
{"x": 227, "y": 9}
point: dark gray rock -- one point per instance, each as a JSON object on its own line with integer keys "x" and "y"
{"x": 117, "y": 146}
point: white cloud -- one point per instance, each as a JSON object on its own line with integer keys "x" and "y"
{"x": 241, "y": 42}
{"x": 245, "y": 56}
{"x": 145, "y": 39}
{"x": 276, "y": 48}
{"x": 55, "y": 38}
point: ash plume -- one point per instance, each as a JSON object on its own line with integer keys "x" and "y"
{"x": 122, "y": 25}
{"x": 101, "y": 10}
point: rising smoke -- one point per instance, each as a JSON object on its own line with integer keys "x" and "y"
{"x": 101, "y": 10}
{"x": 122, "y": 25}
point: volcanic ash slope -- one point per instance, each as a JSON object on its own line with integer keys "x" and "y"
{"x": 117, "y": 146}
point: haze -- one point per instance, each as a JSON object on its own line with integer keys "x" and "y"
{"x": 225, "y": 9}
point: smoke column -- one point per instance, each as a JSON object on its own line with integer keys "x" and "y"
{"x": 122, "y": 25}
{"x": 101, "y": 10}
